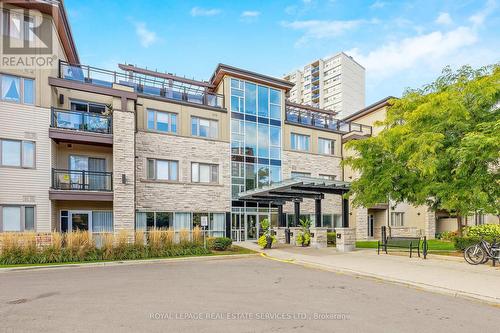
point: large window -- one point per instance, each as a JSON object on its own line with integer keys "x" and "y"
{"x": 275, "y": 104}
{"x": 16, "y": 25}
{"x": 15, "y": 153}
{"x": 83, "y": 106}
{"x": 204, "y": 173}
{"x": 299, "y": 142}
{"x": 249, "y": 98}
{"x": 326, "y": 146}
{"x": 275, "y": 142}
{"x": 17, "y": 89}
{"x": 397, "y": 219}
{"x": 162, "y": 170}
{"x": 204, "y": 128}
{"x": 162, "y": 121}
{"x": 17, "y": 218}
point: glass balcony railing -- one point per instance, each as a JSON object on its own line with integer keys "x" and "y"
{"x": 81, "y": 121}
{"x": 315, "y": 79}
{"x": 148, "y": 85}
{"x": 82, "y": 180}
{"x": 324, "y": 121}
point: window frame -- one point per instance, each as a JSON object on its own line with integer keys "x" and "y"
{"x": 87, "y": 104}
{"x": 211, "y": 121}
{"x": 296, "y": 148}
{"x": 332, "y": 146}
{"x": 395, "y": 221}
{"x": 211, "y": 170}
{"x": 155, "y": 121}
{"x": 21, "y": 154}
{"x": 22, "y": 215}
{"x": 155, "y": 178}
{"x": 21, "y": 89}
{"x": 327, "y": 177}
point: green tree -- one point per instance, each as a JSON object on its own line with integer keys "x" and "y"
{"x": 439, "y": 146}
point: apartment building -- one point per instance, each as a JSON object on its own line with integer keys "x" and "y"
{"x": 335, "y": 83}
{"x": 99, "y": 150}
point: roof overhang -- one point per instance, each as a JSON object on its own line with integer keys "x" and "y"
{"x": 296, "y": 190}
{"x": 244, "y": 74}
{"x": 54, "y": 8}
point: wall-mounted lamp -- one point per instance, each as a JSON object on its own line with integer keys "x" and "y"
{"x": 418, "y": 213}
{"x": 124, "y": 179}
{"x": 61, "y": 99}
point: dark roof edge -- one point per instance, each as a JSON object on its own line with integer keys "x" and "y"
{"x": 370, "y": 108}
{"x": 265, "y": 78}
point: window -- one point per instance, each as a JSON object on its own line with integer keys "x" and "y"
{"x": 17, "y": 89}
{"x": 237, "y": 95}
{"x": 162, "y": 121}
{"x": 17, "y": 153}
{"x": 204, "y": 173}
{"x": 151, "y": 220}
{"x": 296, "y": 174}
{"x": 17, "y": 218}
{"x": 162, "y": 170}
{"x": 326, "y": 146}
{"x": 328, "y": 177}
{"x": 397, "y": 219}
{"x": 275, "y": 104}
{"x": 300, "y": 142}
{"x": 204, "y": 127}
{"x": 83, "y": 106}
{"x": 275, "y": 142}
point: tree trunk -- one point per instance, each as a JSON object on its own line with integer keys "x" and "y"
{"x": 459, "y": 225}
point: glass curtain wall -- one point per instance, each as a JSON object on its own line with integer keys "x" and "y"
{"x": 256, "y": 139}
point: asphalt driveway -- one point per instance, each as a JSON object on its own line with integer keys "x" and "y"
{"x": 228, "y": 295}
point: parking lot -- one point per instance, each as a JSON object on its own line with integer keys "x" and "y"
{"x": 226, "y": 295}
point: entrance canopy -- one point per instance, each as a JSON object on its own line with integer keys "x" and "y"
{"x": 295, "y": 190}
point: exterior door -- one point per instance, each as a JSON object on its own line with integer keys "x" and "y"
{"x": 370, "y": 225}
{"x": 80, "y": 220}
{"x": 237, "y": 227}
{"x": 251, "y": 226}
{"x": 96, "y": 174}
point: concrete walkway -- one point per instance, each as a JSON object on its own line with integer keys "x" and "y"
{"x": 448, "y": 275}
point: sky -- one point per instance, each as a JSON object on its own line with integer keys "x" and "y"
{"x": 400, "y": 43}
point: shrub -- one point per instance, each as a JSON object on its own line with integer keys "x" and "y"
{"x": 262, "y": 241}
{"x": 220, "y": 243}
{"x": 448, "y": 235}
{"x": 303, "y": 239}
{"x": 461, "y": 243}
{"x": 331, "y": 238}
{"x": 486, "y": 230}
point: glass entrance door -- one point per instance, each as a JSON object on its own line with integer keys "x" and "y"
{"x": 370, "y": 225}
{"x": 237, "y": 227}
{"x": 251, "y": 227}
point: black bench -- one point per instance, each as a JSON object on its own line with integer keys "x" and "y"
{"x": 410, "y": 243}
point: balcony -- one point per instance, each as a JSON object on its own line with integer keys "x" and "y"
{"x": 315, "y": 71}
{"x": 81, "y": 127}
{"x": 323, "y": 119}
{"x": 152, "y": 85}
{"x": 315, "y": 88}
{"x": 315, "y": 79}
{"x": 81, "y": 185}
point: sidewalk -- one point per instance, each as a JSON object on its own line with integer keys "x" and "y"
{"x": 452, "y": 276}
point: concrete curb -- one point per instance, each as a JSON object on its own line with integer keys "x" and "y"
{"x": 128, "y": 262}
{"x": 407, "y": 283}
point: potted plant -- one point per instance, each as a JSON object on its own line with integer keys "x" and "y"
{"x": 304, "y": 235}
{"x": 267, "y": 239}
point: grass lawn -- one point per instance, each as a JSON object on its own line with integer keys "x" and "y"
{"x": 435, "y": 245}
{"x": 234, "y": 250}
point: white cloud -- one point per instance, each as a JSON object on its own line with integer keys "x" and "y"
{"x": 378, "y": 4}
{"x": 317, "y": 29}
{"x": 197, "y": 11}
{"x": 250, "y": 13}
{"x": 444, "y": 19}
{"x": 433, "y": 49}
{"x": 478, "y": 18}
{"x": 146, "y": 36}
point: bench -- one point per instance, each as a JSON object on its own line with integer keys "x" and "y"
{"x": 410, "y": 243}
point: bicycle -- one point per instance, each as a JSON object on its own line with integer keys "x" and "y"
{"x": 481, "y": 252}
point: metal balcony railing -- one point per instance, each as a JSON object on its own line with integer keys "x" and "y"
{"x": 148, "y": 85}
{"x": 81, "y": 121}
{"x": 324, "y": 121}
{"x": 82, "y": 180}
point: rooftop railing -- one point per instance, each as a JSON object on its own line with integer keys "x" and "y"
{"x": 81, "y": 121}
{"x": 149, "y": 85}
{"x": 324, "y": 121}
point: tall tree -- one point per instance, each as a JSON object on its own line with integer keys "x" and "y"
{"x": 440, "y": 146}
